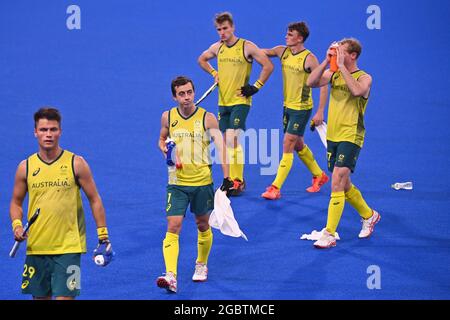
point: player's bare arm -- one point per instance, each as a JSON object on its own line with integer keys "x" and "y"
{"x": 319, "y": 115}
{"x": 84, "y": 177}
{"x": 207, "y": 55}
{"x": 321, "y": 76}
{"x": 274, "y": 52}
{"x": 252, "y": 51}
{"x": 311, "y": 63}
{"x": 359, "y": 87}
{"x": 212, "y": 126}
{"x": 164, "y": 132}
{"x": 19, "y": 193}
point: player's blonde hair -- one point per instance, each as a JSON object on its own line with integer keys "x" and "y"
{"x": 353, "y": 45}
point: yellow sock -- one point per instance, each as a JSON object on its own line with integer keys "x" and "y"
{"x": 355, "y": 198}
{"x": 204, "y": 244}
{"x": 231, "y": 161}
{"x": 236, "y": 160}
{"x": 307, "y": 158}
{"x": 283, "y": 169}
{"x": 335, "y": 209}
{"x": 170, "y": 252}
{"x": 240, "y": 163}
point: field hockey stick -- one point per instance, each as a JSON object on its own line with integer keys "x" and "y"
{"x": 16, "y": 245}
{"x": 207, "y": 93}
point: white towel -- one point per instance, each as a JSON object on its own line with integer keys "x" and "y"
{"x": 315, "y": 235}
{"x": 322, "y": 131}
{"x": 222, "y": 217}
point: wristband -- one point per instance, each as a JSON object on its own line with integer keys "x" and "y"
{"x": 213, "y": 72}
{"x": 258, "y": 84}
{"x": 16, "y": 223}
{"x": 102, "y": 233}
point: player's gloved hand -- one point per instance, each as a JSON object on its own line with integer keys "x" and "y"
{"x": 104, "y": 253}
{"x": 227, "y": 185}
{"x": 249, "y": 90}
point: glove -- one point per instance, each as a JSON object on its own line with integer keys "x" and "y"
{"x": 249, "y": 90}
{"x": 104, "y": 253}
{"x": 227, "y": 185}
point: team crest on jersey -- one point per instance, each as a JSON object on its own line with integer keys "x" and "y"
{"x": 64, "y": 169}
{"x": 197, "y": 124}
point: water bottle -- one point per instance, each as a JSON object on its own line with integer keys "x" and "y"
{"x": 171, "y": 161}
{"x": 171, "y": 152}
{"x": 402, "y": 185}
{"x": 333, "y": 59}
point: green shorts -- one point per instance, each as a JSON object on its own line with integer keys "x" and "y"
{"x": 200, "y": 198}
{"x": 295, "y": 121}
{"x": 52, "y": 275}
{"x": 342, "y": 154}
{"x": 233, "y": 117}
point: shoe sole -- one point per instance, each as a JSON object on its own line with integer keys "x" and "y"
{"x": 325, "y": 247}
{"x": 368, "y": 236}
{"x": 269, "y": 198}
{"x": 199, "y": 280}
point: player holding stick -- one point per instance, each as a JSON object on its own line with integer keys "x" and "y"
{"x": 53, "y": 178}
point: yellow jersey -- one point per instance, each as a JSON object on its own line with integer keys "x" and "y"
{"x": 60, "y": 227}
{"x": 234, "y": 72}
{"x": 346, "y": 112}
{"x": 297, "y": 95}
{"x": 192, "y": 148}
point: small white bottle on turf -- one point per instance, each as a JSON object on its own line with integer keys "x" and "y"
{"x": 403, "y": 185}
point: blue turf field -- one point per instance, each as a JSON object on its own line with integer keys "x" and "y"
{"x": 111, "y": 80}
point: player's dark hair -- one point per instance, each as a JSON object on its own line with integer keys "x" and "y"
{"x": 301, "y": 28}
{"x": 47, "y": 113}
{"x": 180, "y": 81}
{"x": 222, "y": 17}
{"x": 353, "y": 46}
